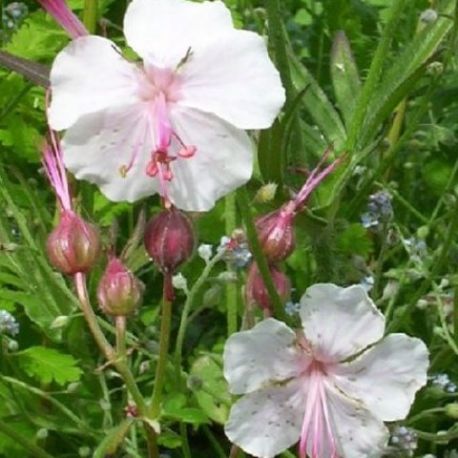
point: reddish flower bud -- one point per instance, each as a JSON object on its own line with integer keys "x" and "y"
{"x": 74, "y": 245}
{"x": 256, "y": 292}
{"x": 276, "y": 233}
{"x": 119, "y": 292}
{"x": 169, "y": 239}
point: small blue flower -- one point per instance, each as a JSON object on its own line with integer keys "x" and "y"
{"x": 404, "y": 439}
{"x": 8, "y": 324}
{"x": 292, "y": 308}
{"x": 443, "y": 382}
{"x": 379, "y": 210}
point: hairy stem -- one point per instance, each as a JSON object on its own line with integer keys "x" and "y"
{"x": 34, "y": 450}
{"x": 166, "y": 321}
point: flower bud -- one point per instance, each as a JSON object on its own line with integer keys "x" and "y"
{"x": 276, "y": 233}
{"x": 169, "y": 239}
{"x": 256, "y": 291}
{"x": 119, "y": 292}
{"x": 74, "y": 245}
{"x": 451, "y": 410}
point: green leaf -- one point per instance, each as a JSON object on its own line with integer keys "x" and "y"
{"x": 317, "y": 104}
{"x": 408, "y": 66}
{"x": 176, "y": 408}
{"x": 211, "y": 390}
{"x": 48, "y": 365}
{"x": 345, "y": 77}
{"x": 113, "y": 439}
{"x": 39, "y": 38}
{"x": 354, "y": 240}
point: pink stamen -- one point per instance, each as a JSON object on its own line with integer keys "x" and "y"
{"x": 53, "y": 163}
{"x": 316, "y": 425}
{"x": 314, "y": 179}
{"x": 60, "y": 11}
{"x": 55, "y": 171}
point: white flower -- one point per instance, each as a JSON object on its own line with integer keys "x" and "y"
{"x": 179, "y": 281}
{"x": 329, "y": 386}
{"x": 175, "y": 124}
{"x": 205, "y": 251}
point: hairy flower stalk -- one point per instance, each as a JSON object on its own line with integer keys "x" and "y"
{"x": 328, "y": 386}
{"x": 174, "y": 124}
{"x": 64, "y": 16}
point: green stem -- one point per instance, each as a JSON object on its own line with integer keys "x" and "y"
{"x": 443, "y": 320}
{"x": 278, "y": 41}
{"x": 188, "y": 306}
{"x": 35, "y": 451}
{"x": 425, "y": 414}
{"x": 166, "y": 322}
{"x": 455, "y": 315}
{"x": 48, "y": 398}
{"x": 121, "y": 337}
{"x": 185, "y": 442}
{"x": 259, "y": 256}
{"x": 90, "y": 15}
{"x": 214, "y": 442}
{"x": 373, "y": 75}
{"x": 231, "y": 288}
{"x": 104, "y": 345}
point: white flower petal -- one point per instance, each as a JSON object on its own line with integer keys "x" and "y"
{"x": 268, "y": 421}
{"x": 339, "y": 322}
{"x": 87, "y": 76}
{"x": 386, "y": 377}
{"x": 223, "y": 160}
{"x": 358, "y": 432}
{"x": 98, "y": 145}
{"x": 234, "y": 78}
{"x": 262, "y": 355}
{"x": 162, "y": 31}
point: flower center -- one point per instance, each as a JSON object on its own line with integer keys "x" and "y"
{"x": 317, "y": 437}
{"x": 159, "y": 88}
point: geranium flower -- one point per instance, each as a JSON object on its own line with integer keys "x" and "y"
{"x": 329, "y": 386}
{"x": 174, "y": 124}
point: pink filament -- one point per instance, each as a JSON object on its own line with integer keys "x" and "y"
{"x": 55, "y": 171}
{"x": 314, "y": 179}
{"x": 316, "y": 425}
{"x": 60, "y": 11}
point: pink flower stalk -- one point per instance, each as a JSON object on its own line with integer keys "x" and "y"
{"x": 68, "y": 20}
{"x": 55, "y": 171}
{"x": 175, "y": 123}
{"x": 275, "y": 230}
{"x": 74, "y": 245}
{"x": 329, "y": 386}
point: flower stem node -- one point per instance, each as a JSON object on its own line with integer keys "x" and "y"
{"x": 119, "y": 292}
{"x": 256, "y": 291}
{"x": 74, "y": 245}
{"x": 169, "y": 239}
